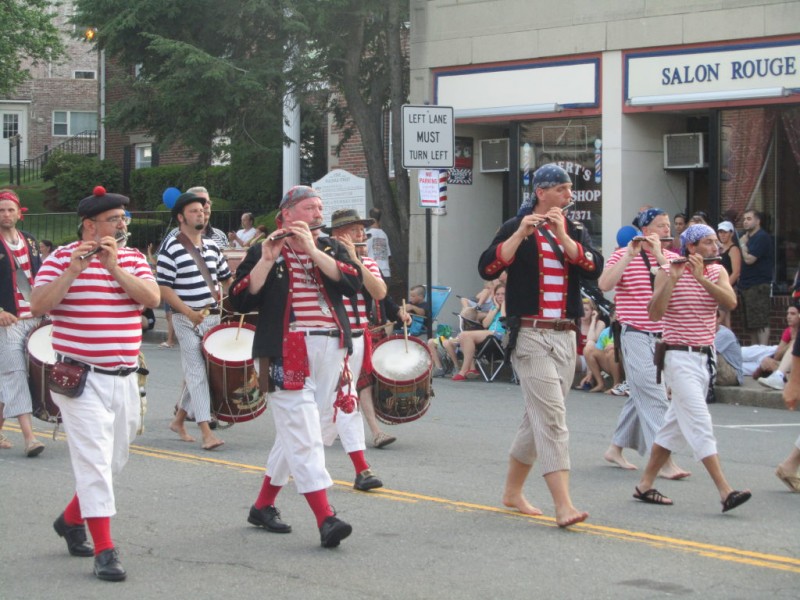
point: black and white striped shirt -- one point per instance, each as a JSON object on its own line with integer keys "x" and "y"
{"x": 176, "y": 269}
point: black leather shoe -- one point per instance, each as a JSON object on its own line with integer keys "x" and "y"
{"x": 75, "y": 536}
{"x": 333, "y": 531}
{"x": 366, "y": 481}
{"x": 269, "y": 518}
{"x": 107, "y": 566}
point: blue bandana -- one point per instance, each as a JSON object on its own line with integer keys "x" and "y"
{"x": 646, "y": 216}
{"x": 693, "y": 234}
{"x": 546, "y": 176}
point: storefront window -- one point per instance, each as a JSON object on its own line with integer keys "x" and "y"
{"x": 760, "y": 169}
{"x": 574, "y": 144}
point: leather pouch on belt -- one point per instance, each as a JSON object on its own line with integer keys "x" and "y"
{"x": 67, "y": 379}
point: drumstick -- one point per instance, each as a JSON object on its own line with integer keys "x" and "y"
{"x": 405, "y": 327}
{"x": 241, "y": 322}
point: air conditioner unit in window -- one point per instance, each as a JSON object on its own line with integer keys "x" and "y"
{"x": 494, "y": 155}
{"x": 684, "y": 151}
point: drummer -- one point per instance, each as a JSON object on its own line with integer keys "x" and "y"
{"x": 301, "y": 345}
{"x": 189, "y": 271}
{"x": 18, "y": 266}
{"x": 372, "y": 304}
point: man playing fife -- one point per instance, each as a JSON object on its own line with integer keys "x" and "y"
{"x": 631, "y": 270}
{"x": 19, "y": 264}
{"x": 545, "y": 256}
{"x": 95, "y": 303}
{"x": 686, "y": 297}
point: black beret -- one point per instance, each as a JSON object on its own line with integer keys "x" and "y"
{"x": 184, "y": 199}
{"x": 100, "y": 201}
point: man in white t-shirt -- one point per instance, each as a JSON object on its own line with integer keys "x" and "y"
{"x": 378, "y": 244}
{"x": 243, "y": 237}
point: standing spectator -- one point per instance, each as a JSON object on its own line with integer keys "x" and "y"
{"x": 679, "y": 222}
{"x": 378, "y": 244}
{"x": 95, "y": 304}
{"x": 758, "y": 255}
{"x": 189, "y": 272}
{"x": 731, "y": 259}
{"x": 685, "y": 298}
{"x": 298, "y": 283}
{"x": 546, "y": 256}
{"x": 632, "y": 271}
{"x": 241, "y": 239}
{"x": 18, "y": 266}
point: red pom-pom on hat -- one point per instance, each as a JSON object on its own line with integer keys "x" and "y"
{"x": 99, "y": 191}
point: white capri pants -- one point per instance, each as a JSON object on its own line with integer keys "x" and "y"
{"x": 14, "y": 391}
{"x": 349, "y": 428}
{"x": 100, "y": 425}
{"x": 190, "y": 339}
{"x": 687, "y": 419}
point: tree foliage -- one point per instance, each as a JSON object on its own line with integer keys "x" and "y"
{"x": 27, "y": 36}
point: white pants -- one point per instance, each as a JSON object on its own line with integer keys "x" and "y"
{"x": 298, "y": 449}
{"x": 349, "y": 428}
{"x": 687, "y": 418}
{"x": 14, "y": 391}
{"x": 190, "y": 338}
{"x": 100, "y": 425}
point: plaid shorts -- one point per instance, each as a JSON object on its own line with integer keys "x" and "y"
{"x": 756, "y": 305}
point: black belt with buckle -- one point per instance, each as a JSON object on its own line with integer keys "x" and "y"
{"x": 333, "y": 332}
{"x": 632, "y": 329}
{"x": 123, "y": 372}
{"x": 555, "y": 325}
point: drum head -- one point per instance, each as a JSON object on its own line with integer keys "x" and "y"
{"x": 396, "y": 361}
{"x": 40, "y": 345}
{"x": 229, "y": 344}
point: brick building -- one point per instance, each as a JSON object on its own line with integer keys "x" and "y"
{"x": 58, "y": 101}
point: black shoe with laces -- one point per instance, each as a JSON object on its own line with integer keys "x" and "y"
{"x": 333, "y": 531}
{"x": 75, "y": 536}
{"x": 107, "y": 566}
{"x": 269, "y": 518}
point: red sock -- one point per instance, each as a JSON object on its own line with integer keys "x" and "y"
{"x": 318, "y": 501}
{"x": 72, "y": 514}
{"x": 268, "y": 493}
{"x": 359, "y": 461}
{"x": 100, "y": 528}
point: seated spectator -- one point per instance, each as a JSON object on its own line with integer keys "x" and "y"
{"x": 591, "y": 328}
{"x": 475, "y": 309}
{"x": 468, "y": 341}
{"x": 260, "y": 236}
{"x": 775, "y": 368}
{"x": 599, "y": 358}
{"x": 417, "y": 305}
{"x": 45, "y": 248}
{"x": 729, "y": 355}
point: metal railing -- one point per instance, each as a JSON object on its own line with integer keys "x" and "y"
{"x": 147, "y": 227}
{"x": 85, "y": 143}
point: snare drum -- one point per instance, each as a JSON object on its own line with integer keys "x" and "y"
{"x": 403, "y": 379}
{"x": 41, "y": 358}
{"x": 232, "y": 378}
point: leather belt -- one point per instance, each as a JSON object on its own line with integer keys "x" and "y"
{"x": 682, "y": 348}
{"x": 210, "y": 311}
{"x": 555, "y": 325}
{"x": 632, "y": 329}
{"x": 333, "y": 332}
{"x": 123, "y": 372}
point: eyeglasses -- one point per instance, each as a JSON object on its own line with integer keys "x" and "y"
{"x": 116, "y": 220}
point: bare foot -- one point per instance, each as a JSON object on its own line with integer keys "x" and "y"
{"x": 673, "y": 472}
{"x": 212, "y": 443}
{"x": 619, "y": 460}
{"x": 181, "y": 431}
{"x": 521, "y": 503}
{"x": 570, "y": 516}
{"x": 597, "y": 388}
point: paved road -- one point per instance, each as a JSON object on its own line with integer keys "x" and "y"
{"x": 436, "y": 530}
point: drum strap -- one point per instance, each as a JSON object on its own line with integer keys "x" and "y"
{"x": 198, "y": 259}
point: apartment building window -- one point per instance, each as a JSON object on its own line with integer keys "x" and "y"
{"x": 10, "y": 125}
{"x": 143, "y": 156}
{"x": 68, "y": 122}
{"x": 84, "y": 74}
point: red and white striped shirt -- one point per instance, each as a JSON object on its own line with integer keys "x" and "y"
{"x": 96, "y": 322}
{"x": 372, "y": 267}
{"x": 634, "y": 290}
{"x": 306, "y": 289}
{"x": 691, "y": 315}
{"x": 21, "y": 260}
{"x": 553, "y": 296}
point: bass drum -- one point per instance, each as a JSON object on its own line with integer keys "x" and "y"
{"x": 232, "y": 378}
{"x": 402, "y": 379}
{"x": 41, "y": 358}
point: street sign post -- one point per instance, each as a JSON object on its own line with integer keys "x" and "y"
{"x": 428, "y": 137}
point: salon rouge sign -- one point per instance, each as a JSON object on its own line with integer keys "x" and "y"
{"x": 717, "y": 69}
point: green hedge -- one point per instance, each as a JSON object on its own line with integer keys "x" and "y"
{"x": 79, "y": 179}
{"x": 148, "y": 185}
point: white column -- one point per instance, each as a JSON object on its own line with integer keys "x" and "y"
{"x": 291, "y": 152}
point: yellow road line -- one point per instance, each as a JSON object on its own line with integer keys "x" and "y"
{"x": 726, "y": 553}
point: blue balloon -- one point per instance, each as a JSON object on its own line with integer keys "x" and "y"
{"x": 169, "y": 196}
